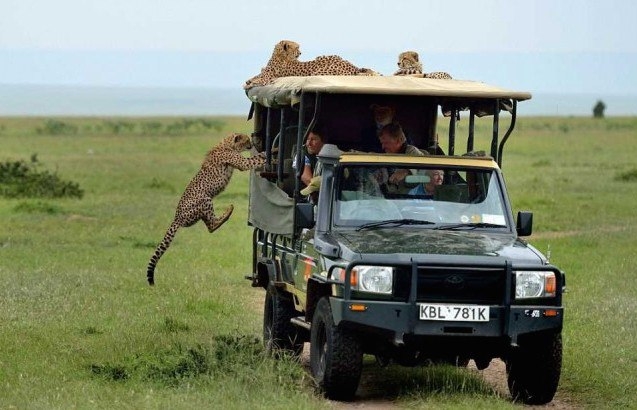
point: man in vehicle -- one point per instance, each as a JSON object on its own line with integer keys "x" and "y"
{"x": 393, "y": 140}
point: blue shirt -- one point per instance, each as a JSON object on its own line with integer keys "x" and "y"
{"x": 306, "y": 161}
{"x": 420, "y": 191}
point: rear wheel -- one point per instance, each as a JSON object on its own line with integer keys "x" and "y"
{"x": 533, "y": 369}
{"x": 336, "y": 356}
{"x": 279, "y": 334}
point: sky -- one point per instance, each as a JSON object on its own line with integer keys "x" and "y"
{"x": 543, "y": 45}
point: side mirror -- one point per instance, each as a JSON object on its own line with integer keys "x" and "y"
{"x": 524, "y": 225}
{"x": 304, "y": 217}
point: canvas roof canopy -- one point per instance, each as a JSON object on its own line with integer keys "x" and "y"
{"x": 287, "y": 91}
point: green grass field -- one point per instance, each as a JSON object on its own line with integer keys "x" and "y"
{"x": 80, "y": 327}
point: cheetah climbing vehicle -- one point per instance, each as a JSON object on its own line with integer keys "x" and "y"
{"x": 392, "y": 270}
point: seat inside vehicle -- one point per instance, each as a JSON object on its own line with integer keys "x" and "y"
{"x": 452, "y": 193}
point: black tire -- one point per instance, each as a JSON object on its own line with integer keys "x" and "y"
{"x": 533, "y": 369}
{"x": 336, "y": 356}
{"x": 279, "y": 334}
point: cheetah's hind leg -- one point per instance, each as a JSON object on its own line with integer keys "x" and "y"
{"x": 211, "y": 221}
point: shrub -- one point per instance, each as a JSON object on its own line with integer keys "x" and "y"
{"x": 241, "y": 356}
{"x": 120, "y": 127}
{"x": 598, "y": 109}
{"x": 57, "y": 127}
{"x": 628, "y": 176}
{"x": 19, "y": 179}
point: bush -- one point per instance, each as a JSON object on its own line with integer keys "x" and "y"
{"x": 56, "y": 127}
{"x": 628, "y": 176}
{"x": 598, "y": 109}
{"x": 120, "y": 127}
{"x": 240, "y": 356}
{"x": 19, "y": 179}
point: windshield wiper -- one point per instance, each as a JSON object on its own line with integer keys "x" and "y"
{"x": 396, "y": 222}
{"x": 470, "y": 226}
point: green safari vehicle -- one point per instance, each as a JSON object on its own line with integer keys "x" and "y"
{"x": 413, "y": 278}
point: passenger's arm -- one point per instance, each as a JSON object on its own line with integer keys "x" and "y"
{"x": 306, "y": 176}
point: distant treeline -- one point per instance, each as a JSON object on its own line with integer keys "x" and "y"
{"x": 123, "y": 127}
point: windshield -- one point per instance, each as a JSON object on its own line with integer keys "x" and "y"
{"x": 377, "y": 196}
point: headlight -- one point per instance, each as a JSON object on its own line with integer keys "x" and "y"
{"x": 376, "y": 279}
{"x": 373, "y": 279}
{"x": 534, "y": 284}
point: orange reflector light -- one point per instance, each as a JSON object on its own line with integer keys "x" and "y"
{"x": 356, "y": 307}
{"x": 353, "y": 280}
{"x": 550, "y": 285}
{"x": 551, "y": 313}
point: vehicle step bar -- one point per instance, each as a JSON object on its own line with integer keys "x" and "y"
{"x": 299, "y": 321}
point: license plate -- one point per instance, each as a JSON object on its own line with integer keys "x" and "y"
{"x": 454, "y": 313}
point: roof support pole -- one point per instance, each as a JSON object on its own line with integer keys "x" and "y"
{"x": 472, "y": 124}
{"x": 282, "y": 142}
{"x": 514, "y": 115}
{"x": 268, "y": 139}
{"x": 452, "y": 131}
{"x": 298, "y": 155}
{"x": 496, "y": 124}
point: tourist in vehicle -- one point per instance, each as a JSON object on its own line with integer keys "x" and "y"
{"x": 383, "y": 115}
{"x": 313, "y": 144}
{"x": 393, "y": 140}
{"x": 427, "y": 190}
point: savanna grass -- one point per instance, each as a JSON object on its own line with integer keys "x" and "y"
{"x": 81, "y": 328}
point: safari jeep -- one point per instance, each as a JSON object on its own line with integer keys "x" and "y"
{"x": 370, "y": 269}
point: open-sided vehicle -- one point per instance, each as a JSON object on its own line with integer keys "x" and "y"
{"x": 373, "y": 269}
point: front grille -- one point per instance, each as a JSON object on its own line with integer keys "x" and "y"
{"x": 455, "y": 285}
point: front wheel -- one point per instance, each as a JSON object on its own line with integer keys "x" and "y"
{"x": 533, "y": 369}
{"x": 336, "y": 356}
{"x": 279, "y": 334}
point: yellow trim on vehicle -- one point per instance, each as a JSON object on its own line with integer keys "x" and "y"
{"x": 481, "y": 162}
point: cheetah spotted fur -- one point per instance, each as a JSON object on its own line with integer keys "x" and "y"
{"x": 213, "y": 177}
{"x": 284, "y": 63}
{"x": 439, "y": 75}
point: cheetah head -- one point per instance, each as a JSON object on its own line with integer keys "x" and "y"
{"x": 407, "y": 59}
{"x": 287, "y": 50}
{"x": 238, "y": 142}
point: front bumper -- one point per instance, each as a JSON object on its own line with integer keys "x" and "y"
{"x": 508, "y": 319}
{"x": 402, "y": 319}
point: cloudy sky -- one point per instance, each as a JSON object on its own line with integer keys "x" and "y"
{"x": 545, "y": 45}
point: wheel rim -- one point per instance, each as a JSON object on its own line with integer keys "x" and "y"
{"x": 322, "y": 357}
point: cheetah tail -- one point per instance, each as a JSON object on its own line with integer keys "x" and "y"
{"x": 159, "y": 251}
